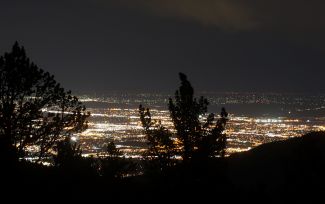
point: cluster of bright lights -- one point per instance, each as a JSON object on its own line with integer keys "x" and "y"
{"x": 123, "y": 126}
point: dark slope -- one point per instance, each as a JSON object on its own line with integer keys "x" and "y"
{"x": 293, "y": 169}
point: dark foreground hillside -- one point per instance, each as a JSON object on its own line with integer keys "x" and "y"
{"x": 291, "y": 170}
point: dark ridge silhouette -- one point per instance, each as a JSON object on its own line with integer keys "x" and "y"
{"x": 293, "y": 169}
{"x": 290, "y": 171}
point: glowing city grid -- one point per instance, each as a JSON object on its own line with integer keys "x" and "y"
{"x": 254, "y": 119}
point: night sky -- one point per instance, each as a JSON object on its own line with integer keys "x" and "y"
{"x": 96, "y": 46}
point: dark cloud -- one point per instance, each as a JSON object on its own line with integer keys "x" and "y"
{"x": 283, "y": 15}
{"x": 98, "y": 45}
{"x": 290, "y": 15}
{"x": 225, "y": 14}
{"x": 301, "y": 21}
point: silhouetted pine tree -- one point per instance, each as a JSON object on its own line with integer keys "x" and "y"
{"x": 34, "y": 108}
{"x": 212, "y": 141}
{"x": 185, "y": 112}
{"x": 203, "y": 139}
{"x": 196, "y": 138}
{"x": 161, "y": 147}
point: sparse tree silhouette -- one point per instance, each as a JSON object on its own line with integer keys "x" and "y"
{"x": 112, "y": 150}
{"x": 213, "y": 140}
{"x": 70, "y": 162}
{"x": 67, "y": 153}
{"x": 115, "y": 165}
{"x": 198, "y": 138}
{"x": 35, "y": 111}
{"x": 161, "y": 146}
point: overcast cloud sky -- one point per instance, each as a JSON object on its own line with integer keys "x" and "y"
{"x": 222, "y": 45}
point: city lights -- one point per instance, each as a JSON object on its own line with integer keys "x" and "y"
{"x": 120, "y": 122}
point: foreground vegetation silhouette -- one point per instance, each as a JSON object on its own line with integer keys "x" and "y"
{"x": 38, "y": 118}
{"x": 26, "y": 92}
{"x": 194, "y": 139}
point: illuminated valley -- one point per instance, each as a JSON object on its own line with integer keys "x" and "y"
{"x": 115, "y": 118}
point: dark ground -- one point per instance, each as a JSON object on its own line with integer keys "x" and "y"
{"x": 286, "y": 171}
